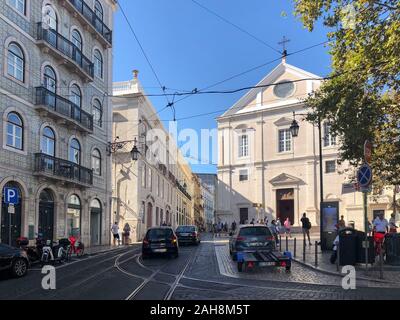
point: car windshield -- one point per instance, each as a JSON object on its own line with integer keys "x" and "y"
{"x": 185, "y": 229}
{"x": 255, "y": 231}
{"x": 159, "y": 233}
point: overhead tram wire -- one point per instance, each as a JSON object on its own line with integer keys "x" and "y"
{"x": 255, "y": 68}
{"x": 235, "y": 26}
{"x": 146, "y": 56}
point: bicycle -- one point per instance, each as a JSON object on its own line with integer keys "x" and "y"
{"x": 77, "y": 247}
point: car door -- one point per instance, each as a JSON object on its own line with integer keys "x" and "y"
{"x": 5, "y": 257}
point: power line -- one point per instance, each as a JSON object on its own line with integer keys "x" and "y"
{"x": 142, "y": 49}
{"x": 235, "y": 26}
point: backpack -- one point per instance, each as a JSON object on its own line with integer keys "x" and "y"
{"x": 308, "y": 224}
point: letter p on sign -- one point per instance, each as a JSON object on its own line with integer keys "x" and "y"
{"x": 11, "y": 195}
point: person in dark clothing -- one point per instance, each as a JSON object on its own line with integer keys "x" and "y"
{"x": 306, "y": 226}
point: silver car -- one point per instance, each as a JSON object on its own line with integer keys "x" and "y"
{"x": 251, "y": 238}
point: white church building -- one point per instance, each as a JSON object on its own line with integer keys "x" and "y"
{"x": 264, "y": 171}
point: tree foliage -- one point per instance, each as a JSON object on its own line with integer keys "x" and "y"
{"x": 361, "y": 97}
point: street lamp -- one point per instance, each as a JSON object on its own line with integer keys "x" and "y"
{"x": 294, "y": 129}
{"x": 135, "y": 151}
{"x": 113, "y": 147}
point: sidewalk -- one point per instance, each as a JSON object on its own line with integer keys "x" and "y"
{"x": 391, "y": 274}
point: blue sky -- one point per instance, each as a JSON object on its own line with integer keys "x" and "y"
{"x": 191, "y": 48}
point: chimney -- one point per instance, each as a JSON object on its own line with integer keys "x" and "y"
{"x": 135, "y": 74}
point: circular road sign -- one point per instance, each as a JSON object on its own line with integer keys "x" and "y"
{"x": 364, "y": 175}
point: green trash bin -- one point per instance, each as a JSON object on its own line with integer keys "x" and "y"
{"x": 392, "y": 243}
{"x": 347, "y": 247}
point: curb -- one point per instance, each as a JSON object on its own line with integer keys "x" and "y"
{"x": 339, "y": 275}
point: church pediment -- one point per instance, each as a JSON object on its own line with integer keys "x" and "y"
{"x": 283, "y": 121}
{"x": 285, "y": 179}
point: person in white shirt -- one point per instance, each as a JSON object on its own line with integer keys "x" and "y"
{"x": 115, "y": 232}
{"x": 381, "y": 225}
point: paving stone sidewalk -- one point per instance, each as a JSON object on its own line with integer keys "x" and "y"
{"x": 391, "y": 274}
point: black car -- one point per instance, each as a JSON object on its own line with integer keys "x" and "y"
{"x": 160, "y": 241}
{"x": 13, "y": 259}
{"x": 188, "y": 234}
{"x": 251, "y": 238}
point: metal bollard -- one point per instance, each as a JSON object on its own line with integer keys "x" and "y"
{"x": 304, "y": 248}
{"x": 280, "y": 243}
{"x": 380, "y": 262}
{"x": 316, "y": 253}
{"x": 294, "y": 247}
{"x": 337, "y": 257}
{"x": 287, "y": 243}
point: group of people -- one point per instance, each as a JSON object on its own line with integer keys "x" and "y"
{"x": 116, "y": 233}
{"x": 220, "y": 227}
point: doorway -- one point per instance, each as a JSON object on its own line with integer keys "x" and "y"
{"x": 244, "y": 215}
{"x": 149, "y": 215}
{"x": 285, "y": 204}
{"x": 46, "y": 215}
{"x": 95, "y": 222}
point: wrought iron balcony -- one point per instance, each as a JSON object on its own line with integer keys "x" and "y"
{"x": 88, "y": 16}
{"x": 65, "y": 50}
{"x": 61, "y": 108}
{"x": 63, "y": 170}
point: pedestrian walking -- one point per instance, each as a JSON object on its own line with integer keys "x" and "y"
{"x": 115, "y": 232}
{"x": 342, "y": 223}
{"x": 279, "y": 225}
{"x": 306, "y": 226}
{"x": 288, "y": 225}
{"x": 233, "y": 226}
{"x": 252, "y": 221}
{"x": 127, "y": 233}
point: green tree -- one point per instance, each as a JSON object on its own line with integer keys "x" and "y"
{"x": 361, "y": 97}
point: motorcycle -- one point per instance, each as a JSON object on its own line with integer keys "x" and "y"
{"x": 33, "y": 252}
{"x": 55, "y": 251}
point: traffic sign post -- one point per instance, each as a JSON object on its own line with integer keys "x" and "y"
{"x": 11, "y": 197}
{"x": 364, "y": 179}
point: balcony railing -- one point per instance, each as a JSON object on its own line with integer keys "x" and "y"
{"x": 64, "y": 107}
{"x": 66, "y": 47}
{"x": 62, "y": 169}
{"x": 183, "y": 190}
{"x": 93, "y": 19}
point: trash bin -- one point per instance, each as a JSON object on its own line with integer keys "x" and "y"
{"x": 347, "y": 247}
{"x": 361, "y": 249}
{"x": 392, "y": 243}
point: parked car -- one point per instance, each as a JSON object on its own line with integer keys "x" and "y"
{"x": 188, "y": 234}
{"x": 160, "y": 241}
{"x": 14, "y": 259}
{"x": 251, "y": 238}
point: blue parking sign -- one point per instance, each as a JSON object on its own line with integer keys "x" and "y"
{"x": 11, "y": 195}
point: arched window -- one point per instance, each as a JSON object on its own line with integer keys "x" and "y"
{"x": 77, "y": 39}
{"x": 76, "y": 95}
{"x": 16, "y": 62}
{"x": 98, "y": 10}
{"x": 48, "y": 142}
{"x": 15, "y": 131}
{"x": 98, "y": 64}
{"x": 19, "y": 5}
{"x": 97, "y": 112}
{"x": 50, "y": 79}
{"x": 75, "y": 151}
{"x": 96, "y": 162}
{"x": 50, "y": 17}
{"x": 74, "y": 216}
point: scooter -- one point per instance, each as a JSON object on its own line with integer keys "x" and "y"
{"x": 54, "y": 251}
{"x": 34, "y": 252}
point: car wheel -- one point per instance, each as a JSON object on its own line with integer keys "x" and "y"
{"x": 19, "y": 267}
{"x": 240, "y": 266}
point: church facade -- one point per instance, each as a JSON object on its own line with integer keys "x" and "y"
{"x": 265, "y": 172}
